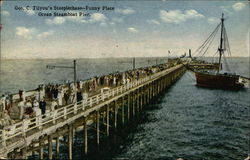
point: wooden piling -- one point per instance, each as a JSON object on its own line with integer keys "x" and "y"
{"x": 70, "y": 140}
{"x": 123, "y": 110}
{"x": 50, "y": 146}
{"x": 57, "y": 147}
{"x": 40, "y": 148}
{"x": 128, "y": 106}
{"x": 24, "y": 153}
{"x": 133, "y": 103}
{"x": 115, "y": 113}
{"x": 97, "y": 128}
{"x": 138, "y": 101}
{"x": 85, "y": 136}
{"x": 107, "y": 118}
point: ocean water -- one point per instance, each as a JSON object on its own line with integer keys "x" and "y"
{"x": 184, "y": 121}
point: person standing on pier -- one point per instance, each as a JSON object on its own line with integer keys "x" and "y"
{"x": 36, "y": 109}
{"x": 3, "y": 101}
{"x": 20, "y": 94}
{"x": 66, "y": 97}
{"x": 60, "y": 97}
{"x": 35, "y": 103}
{"x": 42, "y": 106}
{"x": 53, "y": 106}
{"x": 24, "y": 95}
{"x": 28, "y": 108}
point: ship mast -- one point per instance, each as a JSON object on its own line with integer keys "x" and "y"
{"x": 221, "y": 50}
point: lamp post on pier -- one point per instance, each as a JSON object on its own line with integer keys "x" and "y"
{"x": 133, "y": 63}
{"x": 66, "y": 67}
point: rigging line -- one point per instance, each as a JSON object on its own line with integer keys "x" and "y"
{"x": 228, "y": 47}
{"x": 206, "y": 41}
{"x": 227, "y": 43}
{"x": 209, "y": 45}
{"x": 225, "y": 49}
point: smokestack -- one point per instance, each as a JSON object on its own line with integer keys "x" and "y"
{"x": 190, "y": 56}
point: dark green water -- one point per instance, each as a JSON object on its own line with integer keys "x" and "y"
{"x": 185, "y": 121}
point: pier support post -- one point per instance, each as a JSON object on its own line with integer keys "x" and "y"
{"x": 85, "y": 136}
{"x": 70, "y": 140}
{"x": 107, "y": 116}
{"x": 128, "y": 106}
{"x": 40, "y": 149}
{"x": 149, "y": 92}
{"x": 152, "y": 90}
{"x": 24, "y": 153}
{"x": 97, "y": 128}
{"x": 57, "y": 147}
{"x": 141, "y": 95}
{"x": 133, "y": 103}
{"x": 73, "y": 133}
{"x": 123, "y": 110}
{"x": 138, "y": 101}
{"x": 50, "y": 146}
{"x": 162, "y": 84}
{"x": 158, "y": 86}
{"x": 115, "y": 114}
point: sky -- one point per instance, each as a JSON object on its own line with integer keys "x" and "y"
{"x": 131, "y": 29}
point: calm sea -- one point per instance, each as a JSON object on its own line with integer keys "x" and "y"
{"x": 185, "y": 121}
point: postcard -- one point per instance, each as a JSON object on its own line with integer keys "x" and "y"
{"x": 124, "y": 79}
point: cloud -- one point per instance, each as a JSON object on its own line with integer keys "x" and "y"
{"x": 29, "y": 12}
{"x": 213, "y": 20}
{"x": 45, "y": 34}
{"x": 238, "y": 6}
{"x": 30, "y": 33}
{"x": 133, "y": 30}
{"x": 24, "y": 32}
{"x": 97, "y": 17}
{"x": 5, "y": 13}
{"x": 56, "y": 20}
{"x": 125, "y": 11}
{"x": 152, "y": 21}
{"x": 177, "y": 16}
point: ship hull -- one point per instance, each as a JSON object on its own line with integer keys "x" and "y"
{"x": 220, "y": 81}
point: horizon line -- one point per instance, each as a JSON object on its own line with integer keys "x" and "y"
{"x": 2, "y": 58}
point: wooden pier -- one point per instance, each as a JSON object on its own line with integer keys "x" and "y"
{"x": 110, "y": 108}
{"x": 202, "y": 66}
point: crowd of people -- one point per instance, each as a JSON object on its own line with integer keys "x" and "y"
{"x": 50, "y": 97}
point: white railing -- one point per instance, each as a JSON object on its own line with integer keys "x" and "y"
{"x": 38, "y": 122}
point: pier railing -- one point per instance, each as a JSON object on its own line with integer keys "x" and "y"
{"x": 25, "y": 127}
